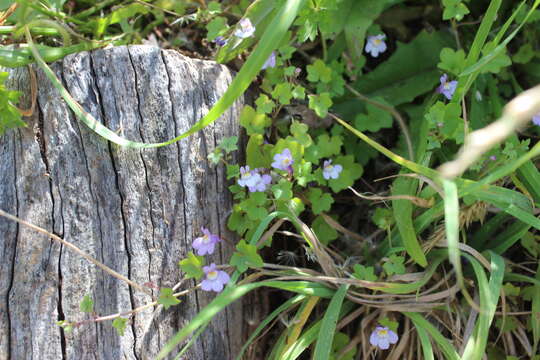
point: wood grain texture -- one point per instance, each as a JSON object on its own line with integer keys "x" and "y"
{"x": 137, "y": 211}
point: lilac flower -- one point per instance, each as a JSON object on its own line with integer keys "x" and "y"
{"x": 246, "y": 29}
{"x": 206, "y": 243}
{"x": 375, "y": 45}
{"x": 536, "y": 119}
{"x": 331, "y": 171}
{"x": 270, "y": 62}
{"x": 220, "y": 41}
{"x": 261, "y": 184}
{"x": 492, "y": 158}
{"x": 447, "y": 88}
{"x": 248, "y": 178}
{"x": 215, "y": 279}
{"x": 283, "y": 161}
{"x": 383, "y": 337}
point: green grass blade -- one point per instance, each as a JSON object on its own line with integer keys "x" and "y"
{"x": 535, "y": 316}
{"x": 283, "y": 307}
{"x": 269, "y": 41}
{"x": 233, "y": 293}
{"x": 451, "y": 218}
{"x": 403, "y": 213}
{"x": 427, "y": 349}
{"x": 445, "y": 345}
{"x": 489, "y": 297}
{"x": 328, "y": 326}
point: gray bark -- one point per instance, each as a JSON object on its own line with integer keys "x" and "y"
{"x": 137, "y": 211}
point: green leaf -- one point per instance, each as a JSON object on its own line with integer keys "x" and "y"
{"x": 282, "y": 190}
{"x": 394, "y": 265}
{"x": 324, "y": 232}
{"x": 362, "y": 272}
{"x": 218, "y": 26}
{"x": 351, "y": 172}
{"x": 320, "y": 104}
{"x": 246, "y": 257}
{"x": 254, "y": 205}
{"x": 233, "y": 171}
{"x": 229, "y": 144}
{"x": 87, "y": 304}
{"x": 341, "y": 340}
{"x": 10, "y": 117}
{"x": 383, "y": 218}
{"x": 283, "y": 93}
{"x": 215, "y": 156}
{"x": 265, "y": 105}
{"x": 257, "y": 153}
{"x": 319, "y": 72}
{"x": 524, "y": 54}
{"x": 452, "y": 61}
{"x": 253, "y": 122}
{"x": 120, "y": 325}
{"x": 299, "y": 92}
{"x": 454, "y": 9}
{"x": 299, "y": 131}
{"x": 319, "y": 202}
{"x": 294, "y": 205}
{"x": 239, "y": 221}
{"x": 500, "y": 61}
{"x": 392, "y": 325}
{"x": 375, "y": 119}
{"x": 167, "y": 299}
{"x": 192, "y": 266}
{"x": 325, "y": 339}
{"x": 326, "y": 147}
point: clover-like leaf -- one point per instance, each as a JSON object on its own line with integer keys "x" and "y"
{"x": 319, "y": 72}
{"x": 265, "y": 105}
{"x": 283, "y": 93}
{"x": 362, "y": 272}
{"x": 254, "y": 123}
{"x": 229, "y": 144}
{"x": 394, "y": 265}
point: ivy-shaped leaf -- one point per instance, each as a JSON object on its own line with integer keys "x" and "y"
{"x": 452, "y": 61}
{"x": 351, "y": 172}
{"x": 394, "y": 265}
{"x": 87, "y": 304}
{"x": 362, "y": 272}
{"x": 246, "y": 257}
{"x": 192, "y": 266}
{"x": 299, "y": 131}
{"x": 319, "y": 72}
{"x": 454, "y": 9}
{"x": 120, "y": 325}
{"x": 265, "y": 105}
{"x": 325, "y": 233}
{"x": 229, "y": 144}
{"x": 167, "y": 299}
{"x": 320, "y": 104}
{"x": 319, "y": 201}
{"x": 254, "y": 123}
{"x": 11, "y": 117}
{"x": 283, "y": 93}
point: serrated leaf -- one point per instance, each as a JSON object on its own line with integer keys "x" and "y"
{"x": 454, "y": 9}
{"x": 192, "y": 266}
{"x": 394, "y": 265}
{"x": 246, "y": 257}
{"x": 167, "y": 299}
{"x": 120, "y": 325}
{"x": 452, "y": 61}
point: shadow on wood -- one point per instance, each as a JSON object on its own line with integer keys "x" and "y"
{"x": 137, "y": 211}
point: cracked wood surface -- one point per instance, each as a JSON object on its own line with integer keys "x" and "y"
{"x": 137, "y": 211}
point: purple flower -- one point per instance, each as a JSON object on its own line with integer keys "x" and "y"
{"x": 383, "y": 337}
{"x": 331, "y": 171}
{"x": 261, "y": 184}
{"x": 447, "y": 88}
{"x": 246, "y": 29}
{"x": 492, "y": 158}
{"x": 220, "y": 41}
{"x": 375, "y": 45}
{"x": 536, "y": 119}
{"x": 248, "y": 178}
{"x": 206, "y": 243}
{"x": 283, "y": 161}
{"x": 215, "y": 279}
{"x": 270, "y": 62}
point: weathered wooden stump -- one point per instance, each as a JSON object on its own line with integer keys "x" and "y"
{"x": 137, "y": 211}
